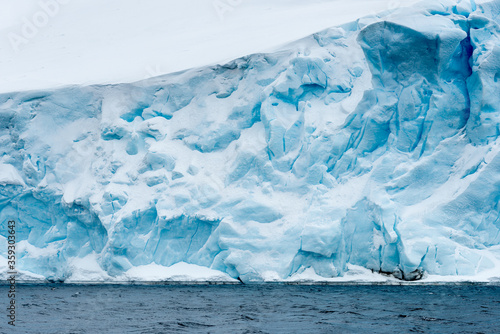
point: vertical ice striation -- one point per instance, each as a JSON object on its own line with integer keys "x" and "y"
{"x": 374, "y": 144}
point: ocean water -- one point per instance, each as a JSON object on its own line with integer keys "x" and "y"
{"x": 267, "y": 308}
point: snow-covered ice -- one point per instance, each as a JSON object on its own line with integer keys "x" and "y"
{"x": 50, "y": 43}
{"x": 365, "y": 149}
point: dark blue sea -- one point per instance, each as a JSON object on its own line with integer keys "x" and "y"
{"x": 268, "y": 308}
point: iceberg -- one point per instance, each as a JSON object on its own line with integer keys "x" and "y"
{"x": 373, "y": 145}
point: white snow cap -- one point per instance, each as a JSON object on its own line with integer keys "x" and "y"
{"x": 50, "y": 43}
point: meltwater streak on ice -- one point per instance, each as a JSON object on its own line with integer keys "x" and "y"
{"x": 371, "y": 146}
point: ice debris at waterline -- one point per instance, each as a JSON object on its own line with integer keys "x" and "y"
{"x": 373, "y": 145}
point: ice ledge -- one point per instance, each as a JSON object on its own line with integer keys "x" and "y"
{"x": 186, "y": 274}
{"x": 9, "y": 175}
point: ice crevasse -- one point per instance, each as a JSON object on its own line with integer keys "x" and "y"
{"x": 371, "y": 145}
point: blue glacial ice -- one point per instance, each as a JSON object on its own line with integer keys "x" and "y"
{"x": 372, "y": 145}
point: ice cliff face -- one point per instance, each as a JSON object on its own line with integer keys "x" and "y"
{"x": 374, "y": 144}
